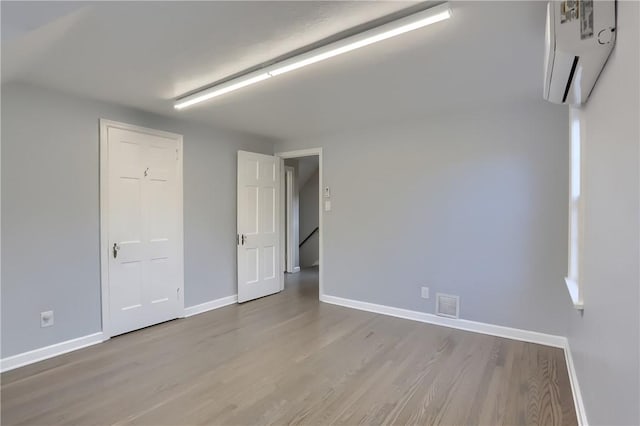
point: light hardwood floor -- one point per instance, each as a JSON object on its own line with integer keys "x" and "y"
{"x": 289, "y": 359}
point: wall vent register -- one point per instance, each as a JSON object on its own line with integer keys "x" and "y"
{"x": 447, "y": 305}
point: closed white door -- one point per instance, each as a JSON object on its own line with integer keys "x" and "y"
{"x": 144, "y": 229}
{"x": 258, "y": 226}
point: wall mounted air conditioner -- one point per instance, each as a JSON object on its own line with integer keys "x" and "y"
{"x": 580, "y": 35}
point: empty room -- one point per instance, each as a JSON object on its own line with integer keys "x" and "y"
{"x": 320, "y": 212}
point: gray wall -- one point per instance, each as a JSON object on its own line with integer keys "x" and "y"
{"x": 470, "y": 204}
{"x": 605, "y": 341}
{"x": 50, "y": 212}
{"x": 310, "y": 251}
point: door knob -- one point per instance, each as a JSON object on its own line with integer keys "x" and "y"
{"x": 116, "y": 248}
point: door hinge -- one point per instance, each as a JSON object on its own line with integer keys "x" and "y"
{"x": 237, "y": 239}
{"x": 178, "y": 293}
{"x": 176, "y": 153}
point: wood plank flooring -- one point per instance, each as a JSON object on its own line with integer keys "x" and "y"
{"x": 288, "y": 359}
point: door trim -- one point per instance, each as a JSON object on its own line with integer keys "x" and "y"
{"x": 295, "y": 154}
{"x": 105, "y": 125}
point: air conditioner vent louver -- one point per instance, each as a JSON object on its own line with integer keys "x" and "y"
{"x": 447, "y": 305}
{"x": 579, "y": 37}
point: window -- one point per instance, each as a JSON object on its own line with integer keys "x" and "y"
{"x": 575, "y": 210}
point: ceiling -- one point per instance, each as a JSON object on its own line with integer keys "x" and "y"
{"x": 145, "y": 54}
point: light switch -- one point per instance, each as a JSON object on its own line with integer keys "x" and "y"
{"x": 327, "y": 205}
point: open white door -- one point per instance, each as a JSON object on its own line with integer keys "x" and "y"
{"x": 259, "y": 254}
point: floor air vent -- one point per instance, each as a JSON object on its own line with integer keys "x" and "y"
{"x": 447, "y": 305}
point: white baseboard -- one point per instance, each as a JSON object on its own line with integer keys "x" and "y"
{"x": 210, "y": 305}
{"x": 47, "y": 352}
{"x": 581, "y": 414}
{"x": 51, "y": 351}
{"x": 478, "y": 327}
{"x": 461, "y": 324}
{"x": 296, "y": 269}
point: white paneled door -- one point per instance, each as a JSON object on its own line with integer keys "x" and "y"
{"x": 259, "y": 266}
{"x": 144, "y": 228}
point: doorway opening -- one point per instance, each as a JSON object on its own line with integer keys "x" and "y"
{"x": 301, "y": 218}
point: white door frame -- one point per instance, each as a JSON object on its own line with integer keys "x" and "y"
{"x": 296, "y": 154}
{"x": 104, "y": 215}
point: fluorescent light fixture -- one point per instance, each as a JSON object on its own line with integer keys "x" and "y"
{"x": 374, "y": 35}
{"x": 230, "y": 86}
{"x": 392, "y": 29}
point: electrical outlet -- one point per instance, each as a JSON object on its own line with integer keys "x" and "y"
{"x": 46, "y": 319}
{"x": 424, "y": 292}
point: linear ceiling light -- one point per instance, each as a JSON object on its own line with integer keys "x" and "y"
{"x": 374, "y": 35}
